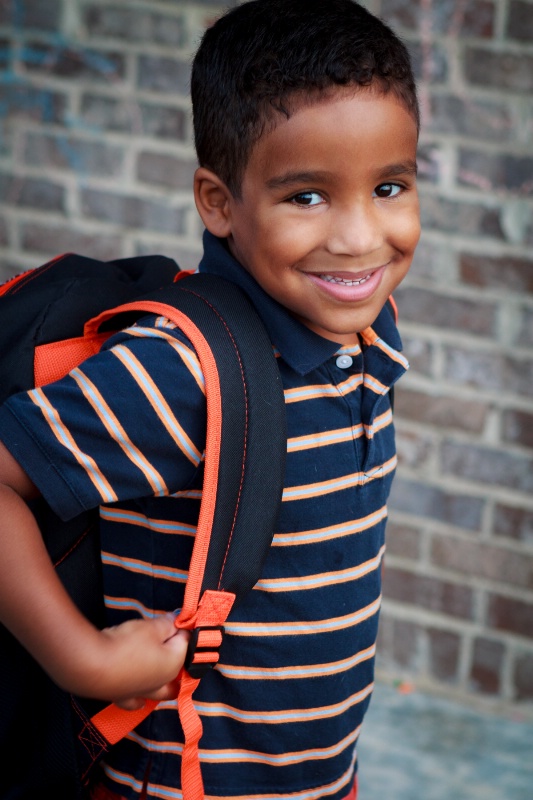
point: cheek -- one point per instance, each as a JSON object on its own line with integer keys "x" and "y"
{"x": 280, "y": 245}
{"x": 407, "y": 231}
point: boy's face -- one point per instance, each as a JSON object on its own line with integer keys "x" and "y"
{"x": 328, "y": 218}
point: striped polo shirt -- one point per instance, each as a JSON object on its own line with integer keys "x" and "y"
{"x": 125, "y": 431}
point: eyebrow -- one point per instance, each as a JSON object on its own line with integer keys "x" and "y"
{"x": 404, "y": 168}
{"x": 310, "y": 177}
{"x": 290, "y": 178}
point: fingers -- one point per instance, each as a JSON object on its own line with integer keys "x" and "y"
{"x": 154, "y": 658}
{"x": 178, "y": 643}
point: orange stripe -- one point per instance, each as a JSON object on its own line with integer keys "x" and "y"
{"x": 168, "y": 420}
{"x": 331, "y": 531}
{"x": 279, "y": 759}
{"x": 65, "y": 438}
{"x": 321, "y": 579}
{"x": 337, "y": 484}
{"x": 303, "y": 627}
{"x": 312, "y": 392}
{"x": 116, "y": 432}
{"x": 296, "y": 673}
{"x": 187, "y": 355}
{"x": 287, "y": 716}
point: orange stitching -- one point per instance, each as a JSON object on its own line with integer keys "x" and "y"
{"x": 76, "y": 544}
{"x": 21, "y": 280}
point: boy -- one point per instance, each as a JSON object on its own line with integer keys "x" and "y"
{"x": 306, "y": 127}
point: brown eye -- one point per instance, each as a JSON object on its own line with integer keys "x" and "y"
{"x": 306, "y": 199}
{"x": 387, "y": 190}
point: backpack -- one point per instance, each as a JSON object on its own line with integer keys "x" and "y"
{"x": 54, "y": 317}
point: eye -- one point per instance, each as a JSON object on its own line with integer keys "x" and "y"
{"x": 306, "y": 199}
{"x": 387, "y": 190}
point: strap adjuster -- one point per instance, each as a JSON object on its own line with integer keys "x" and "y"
{"x": 202, "y": 652}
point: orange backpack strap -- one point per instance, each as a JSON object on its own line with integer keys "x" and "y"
{"x": 246, "y": 431}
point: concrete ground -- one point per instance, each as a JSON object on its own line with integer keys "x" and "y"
{"x": 415, "y": 746}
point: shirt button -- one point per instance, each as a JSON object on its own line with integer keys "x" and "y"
{"x": 344, "y": 362}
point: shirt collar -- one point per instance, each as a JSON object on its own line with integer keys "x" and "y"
{"x": 302, "y": 349}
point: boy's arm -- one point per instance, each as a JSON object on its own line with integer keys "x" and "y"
{"x": 140, "y": 658}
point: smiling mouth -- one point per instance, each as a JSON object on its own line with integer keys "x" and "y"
{"x": 346, "y": 281}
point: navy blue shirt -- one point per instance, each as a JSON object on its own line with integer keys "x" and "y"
{"x": 126, "y": 431}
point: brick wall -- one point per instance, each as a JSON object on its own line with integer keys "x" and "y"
{"x": 96, "y": 156}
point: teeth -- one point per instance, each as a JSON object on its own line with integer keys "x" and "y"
{"x": 344, "y": 281}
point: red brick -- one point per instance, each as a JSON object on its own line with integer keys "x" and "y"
{"x": 163, "y": 74}
{"x": 413, "y": 448}
{"x": 441, "y": 311}
{"x": 444, "y": 649}
{"x": 482, "y": 560}
{"x": 165, "y": 170}
{"x": 444, "y": 412}
{"x": 511, "y": 615}
{"x": 424, "y": 500}
{"x": 44, "y": 15}
{"x": 53, "y": 239}
{"x": 460, "y": 218}
{"x": 22, "y": 101}
{"x": 85, "y": 157}
{"x": 489, "y": 370}
{"x": 498, "y": 171}
{"x": 132, "y": 211}
{"x": 486, "y": 667}
{"x": 487, "y": 466}
{"x": 514, "y": 523}
{"x": 402, "y": 541}
{"x": 74, "y": 63}
{"x": 37, "y": 193}
{"x": 185, "y": 258}
{"x": 472, "y": 117}
{"x": 508, "y": 273}
{"x": 500, "y": 70}
{"x": 517, "y": 428}
{"x": 523, "y": 677}
{"x": 135, "y": 24}
{"x": 432, "y": 594}
{"x": 145, "y": 119}
{"x": 520, "y": 21}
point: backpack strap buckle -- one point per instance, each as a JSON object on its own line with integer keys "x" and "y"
{"x": 202, "y": 652}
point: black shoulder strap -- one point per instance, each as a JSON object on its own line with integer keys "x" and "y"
{"x": 253, "y": 430}
{"x": 253, "y": 434}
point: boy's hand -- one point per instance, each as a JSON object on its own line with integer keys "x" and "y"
{"x": 146, "y": 656}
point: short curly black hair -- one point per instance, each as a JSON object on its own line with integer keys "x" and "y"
{"x": 263, "y": 55}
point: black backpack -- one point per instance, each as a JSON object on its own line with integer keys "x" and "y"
{"x": 49, "y": 739}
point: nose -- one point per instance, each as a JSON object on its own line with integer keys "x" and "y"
{"x": 356, "y": 230}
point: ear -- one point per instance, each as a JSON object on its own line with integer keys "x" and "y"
{"x": 212, "y": 198}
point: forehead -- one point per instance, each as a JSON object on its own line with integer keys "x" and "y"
{"x": 346, "y": 129}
